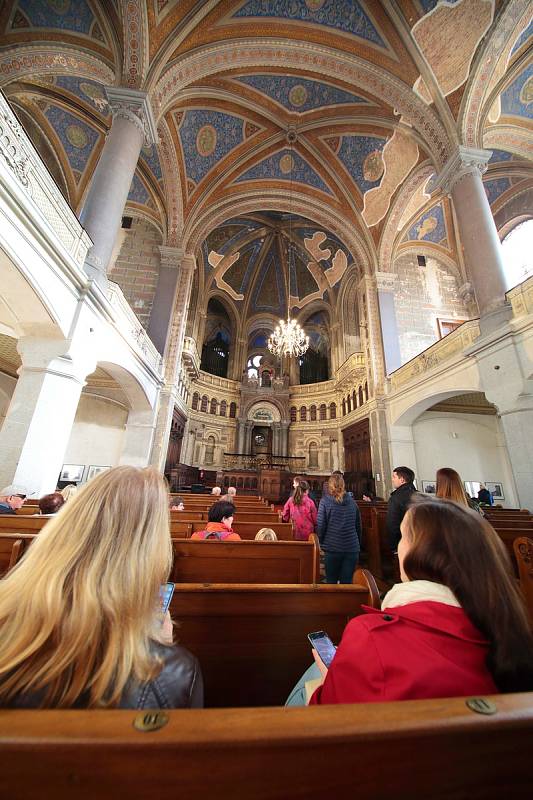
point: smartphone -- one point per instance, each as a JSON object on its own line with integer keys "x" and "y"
{"x": 323, "y": 645}
{"x": 165, "y": 594}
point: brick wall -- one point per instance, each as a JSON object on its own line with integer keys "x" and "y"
{"x": 137, "y": 266}
{"x": 423, "y": 294}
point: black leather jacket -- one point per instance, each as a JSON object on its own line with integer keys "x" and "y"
{"x": 178, "y": 685}
{"x": 399, "y": 502}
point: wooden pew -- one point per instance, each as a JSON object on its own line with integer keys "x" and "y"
{"x": 188, "y": 515}
{"x": 438, "y": 749}
{"x": 248, "y": 530}
{"x": 10, "y": 523}
{"x": 265, "y": 517}
{"x": 245, "y": 562}
{"x": 251, "y": 640}
{"x": 523, "y": 551}
{"x": 12, "y": 548}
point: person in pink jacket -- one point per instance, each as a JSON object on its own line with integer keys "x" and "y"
{"x": 456, "y": 625}
{"x": 301, "y": 509}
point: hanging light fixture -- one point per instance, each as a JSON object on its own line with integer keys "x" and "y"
{"x": 289, "y": 338}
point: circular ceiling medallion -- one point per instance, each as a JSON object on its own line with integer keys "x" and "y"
{"x": 59, "y": 6}
{"x": 314, "y": 5}
{"x": 76, "y": 136}
{"x": 92, "y": 91}
{"x": 286, "y": 163}
{"x": 206, "y": 140}
{"x": 526, "y": 95}
{"x": 298, "y": 95}
{"x": 373, "y": 166}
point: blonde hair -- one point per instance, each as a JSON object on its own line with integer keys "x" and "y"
{"x": 450, "y": 486}
{"x": 266, "y": 535}
{"x": 77, "y": 612}
{"x": 68, "y": 491}
{"x": 337, "y": 487}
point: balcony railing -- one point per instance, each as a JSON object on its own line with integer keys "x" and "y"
{"x": 191, "y": 357}
{"x": 438, "y": 354}
{"x": 128, "y": 324}
{"x": 263, "y": 461}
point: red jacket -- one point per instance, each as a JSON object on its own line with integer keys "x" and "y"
{"x": 421, "y": 650}
{"x": 303, "y": 516}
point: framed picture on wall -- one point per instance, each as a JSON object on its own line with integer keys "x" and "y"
{"x": 429, "y": 487}
{"x": 73, "y": 473}
{"x": 496, "y": 490}
{"x": 95, "y": 470}
{"x": 446, "y": 326}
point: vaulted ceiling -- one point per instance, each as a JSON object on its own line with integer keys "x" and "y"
{"x": 375, "y": 95}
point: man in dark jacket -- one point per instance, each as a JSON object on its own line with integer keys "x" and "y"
{"x": 402, "y": 480}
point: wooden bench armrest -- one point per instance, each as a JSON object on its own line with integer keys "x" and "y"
{"x": 363, "y": 577}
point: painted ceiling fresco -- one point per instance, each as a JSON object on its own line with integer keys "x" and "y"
{"x": 228, "y": 81}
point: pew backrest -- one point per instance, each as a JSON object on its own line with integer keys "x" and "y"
{"x": 248, "y": 530}
{"x": 12, "y": 548}
{"x": 523, "y": 551}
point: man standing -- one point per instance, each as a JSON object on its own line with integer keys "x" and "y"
{"x": 402, "y": 480}
{"x": 11, "y": 499}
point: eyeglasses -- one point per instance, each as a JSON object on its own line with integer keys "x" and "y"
{"x": 22, "y": 496}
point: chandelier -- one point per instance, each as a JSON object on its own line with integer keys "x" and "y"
{"x": 289, "y": 338}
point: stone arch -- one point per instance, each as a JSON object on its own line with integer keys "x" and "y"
{"x": 411, "y": 412}
{"x": 22, "y": 61}
{"x": 348, "y": 316}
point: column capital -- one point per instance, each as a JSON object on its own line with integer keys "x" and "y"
{"x": 386, "y": 281}
{"x": 171, "y": 257}
{"x": 466, "y": 293}
{"x": 135, "y": 107}
{"x": 465, "y": 161}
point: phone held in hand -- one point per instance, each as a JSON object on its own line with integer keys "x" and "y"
{"x": 165, "y": 594}
{"x": 323, "y": 645}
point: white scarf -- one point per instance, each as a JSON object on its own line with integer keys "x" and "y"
{"x": 402, "y": 594}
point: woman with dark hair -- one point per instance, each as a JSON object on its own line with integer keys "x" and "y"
{"x": 220, "y": 520}
{"x": 455, "y": 626}
{"x": 339, "y": 531}
{"x": 302, "y": 511}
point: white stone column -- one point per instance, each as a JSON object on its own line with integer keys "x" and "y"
{"x": 517, "y": 426}
{"x": 162, "y": 308}
{"x": 173, "y": 353}
{"x": 38, "y": 423}
{"x": 461, "y": 177}
{"x": 138, "y": 438}
{"x": 386, "y": 284}
{"x": 133, "y": 124}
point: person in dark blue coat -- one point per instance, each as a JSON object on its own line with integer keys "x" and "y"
{"x": 339, "y": 531}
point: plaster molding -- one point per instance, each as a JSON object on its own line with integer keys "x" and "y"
{"x": 135, "y": 107}
{"x": 466, "y": 293}
{"x": 466, "y": 161}
{"x": 24, "y": 60}
{"x": 171, "y": 257}
{"x": 135, "y": 24}
{"x": 386, "y": 282}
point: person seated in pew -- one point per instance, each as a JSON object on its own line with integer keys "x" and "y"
{"x": 216, "y": 491}
{"x": 68, "y": 491}
{"x": 50, "y": 504}
{"x": 80, "y": 624}
{"x": 220, "y": 520}
{"x": 229, "y": 497}
{"x": 450, "y": 487}
{"x": 266, "y": 535}
{"x": 11, "y": 499}
{"x": 176, "y": 504}
{"x": 302, "y": 511}
{"x": 455, "y": 626}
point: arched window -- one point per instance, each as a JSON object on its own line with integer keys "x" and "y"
{"x": 360, "y": 395}
{"x": 313, "y": 367}
{"x": 232, "y": 409}
{"x": 366, "y": 391}
{"x": 203, "y": 407}
{"x": 332, "y": 411}
{"x": 517, "y": 254}
{"x": 195, "y": 401}
{"x": 348, "y": 404}
{"x": 293, "y": 413}
{"x": 312, "y": 413}
{"x": 210, "y": 450}
{"x": 343, "y": 407}
{"x": 313, "y": 455}
{"x": 303, "y": 414}
{"x": 252, "y": 366}
{"x": 213, "y": 406}
{"x": 223, "y": 408}
{"x": 216, "y": 346}
{"x": 354, "y": 400}
{"x": 322, "y": 412}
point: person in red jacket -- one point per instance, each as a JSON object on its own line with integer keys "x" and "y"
{"x": 220, "y": 520}
{"x": 455, "y": 626}
{"x": 302, "y": 511}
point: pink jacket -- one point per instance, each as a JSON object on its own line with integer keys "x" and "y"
{"x": 303, "y": 516}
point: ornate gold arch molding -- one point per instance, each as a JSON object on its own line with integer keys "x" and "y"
{"x": 488, "y": 70}
{"x": 136, "y": 42}
{"x": 276, "y": 200}
{"x": 258, "y": 53}
{"x": 391, "y": 233}
{"x": 20, "y": 62}
{"x": 171, "y": 179}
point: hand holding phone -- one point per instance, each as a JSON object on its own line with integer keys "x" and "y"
{"x": 323, "y": 645}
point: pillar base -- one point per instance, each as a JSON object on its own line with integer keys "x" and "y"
{"x": 494, "y": 319}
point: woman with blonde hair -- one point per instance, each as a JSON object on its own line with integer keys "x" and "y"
{"x": 339, "y": 531}
{"x": 266, "y": 535}
{"x": 79, "y": 621}
{"x": 450, "y": 487}
{"x": 68, "y": 491}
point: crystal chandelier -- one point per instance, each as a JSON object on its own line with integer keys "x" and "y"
{"x": 289, "y": 338}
